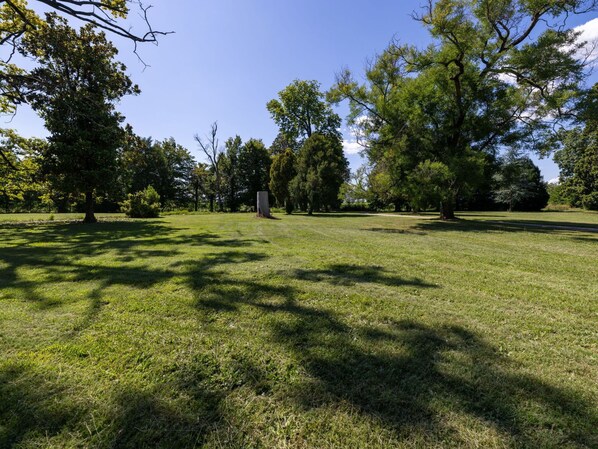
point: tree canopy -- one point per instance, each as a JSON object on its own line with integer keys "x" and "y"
{"x": 301, "y": 111}
{"x": 519, "y": 184}
{"x": 578, "y": 159}
{"x": 19, "y": 19}
{"x": 321, "y": 170}
{"x": 282, "y": 172}
{"x": 500, "y": 74}
{"x": 74, "y": 89}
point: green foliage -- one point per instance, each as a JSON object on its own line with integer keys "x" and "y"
{"x": 22, "y": 186}
{"x": 461, "y": 99}
{"x": 74, "y": 89}
{"x": 143, "y": 204}
{"x": 231, "y": 172}
{"x": 430, "y": 183}
{"x": 301, "y": 111}
{"x": 590, "y": 201}
{"x": 254, "y": 170}
{"x": 578, "y": 163}
{"x": 519, "y": 184}
{"x": 557, "y": 195}
{"x": 281, "y": 144}
{"x": 282, "y": 172}
{"x": 321, "y": 170}
{"x": 165, "y": 165}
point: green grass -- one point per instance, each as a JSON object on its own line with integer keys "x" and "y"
{"x": 337, "y": 331}
{"x": 33, "y": 218}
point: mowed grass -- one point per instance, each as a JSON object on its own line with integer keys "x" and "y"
{"x": 332, "y": 331}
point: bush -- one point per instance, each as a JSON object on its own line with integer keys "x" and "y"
{"x": 356, "y": 207}
{"x": 590, "y": 201}
{"x": 143, "y": 204}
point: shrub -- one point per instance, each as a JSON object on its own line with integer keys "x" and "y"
{"x": 362, "y": 206}
{"x": 143, "y": 204}
{"x": 590, "y": 201}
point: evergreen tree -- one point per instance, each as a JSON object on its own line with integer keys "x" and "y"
{"x": 321, "y": 170}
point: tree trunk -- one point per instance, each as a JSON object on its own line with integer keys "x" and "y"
{"x": 89, "y": 214}
{"x": 289, "y": 206}
{"x": 447, "y": 210}
{"x": 196, "y": 203}
{"x": 211, "y": 203}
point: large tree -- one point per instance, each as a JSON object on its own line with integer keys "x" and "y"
{"x": 202, "y": 185}
{"x": 321, "y": 170}
{"x": 75, "y": 88}
{"x": 499, "y": 73}
{"x": 301, "y": 110}
{"x": 19, "y": 18}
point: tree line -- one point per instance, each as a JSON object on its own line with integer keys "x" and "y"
{"x": 92, "y": 162}
{"x": 445, "y": 127}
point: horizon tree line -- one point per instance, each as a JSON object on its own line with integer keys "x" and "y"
{"x": 446, "y": 127}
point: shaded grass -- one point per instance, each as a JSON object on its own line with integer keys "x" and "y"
{"x": 329, "y": 331}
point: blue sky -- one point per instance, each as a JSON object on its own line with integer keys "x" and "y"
{"x": 228, "y": 58}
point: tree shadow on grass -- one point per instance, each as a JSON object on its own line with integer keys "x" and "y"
{"x": 418, "y": 375}
{"x": 63, "y": 253}
{"x": 408, "y": 376}
{"x": 123, "y": 237}
{"x": 148, "y": 419}
{"x": 141, "y": 418}
{"x": 349, "y": 275}
{"x": 335, "y": 215}
{"x": 36, "y": 409}
{"x": 394, "y": 231}
{"x": 411, "y": 377}
{"x": 31, "y": 406}
{"x": 528, "y": 226}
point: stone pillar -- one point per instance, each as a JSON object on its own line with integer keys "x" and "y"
{"x": 263, "y": 206}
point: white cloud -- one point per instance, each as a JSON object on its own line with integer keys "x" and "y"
{"x": 589, "y": 29}
{"x": 351, "y": 147}
{"x": 507, "y": 78}
{"x": 361, "y": 119}
{"x": 554, "y": 181}
{"x": 353, "y": 135}
{"x": 589, "y": 34}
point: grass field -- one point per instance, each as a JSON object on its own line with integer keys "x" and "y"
{"x": 332, "y": 331}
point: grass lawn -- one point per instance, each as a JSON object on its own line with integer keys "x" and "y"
{"x": 332, "y": 331}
